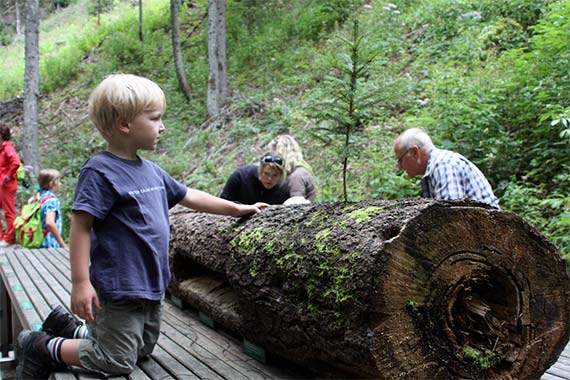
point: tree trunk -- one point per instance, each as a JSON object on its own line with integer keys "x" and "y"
{"x": 217, "y": 81}
{"x": 177, "y": 51}
{"x": 410, "y": 289}
{"x": 32, "y": 87}
{"x": 140, "y": 21}
{"x": 99, "y": 12}
{"x": 18, "y": 17}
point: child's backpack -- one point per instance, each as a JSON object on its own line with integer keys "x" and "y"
{"x": 21, "y": 173}
{"x": 28, "y": 225}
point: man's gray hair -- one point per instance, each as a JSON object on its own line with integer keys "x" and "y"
{"x": 415, "y": 136}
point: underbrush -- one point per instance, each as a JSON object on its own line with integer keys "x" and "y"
{"x": 486, "y": 78}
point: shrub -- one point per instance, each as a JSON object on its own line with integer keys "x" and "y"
{"x": 525, "y": 12}
{"x": 6, "y": 34}
{"x": 504, "y": 34}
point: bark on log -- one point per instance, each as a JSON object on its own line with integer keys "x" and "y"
{"x": 382, "y": 289}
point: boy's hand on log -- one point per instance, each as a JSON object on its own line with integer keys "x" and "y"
{"x": 252, "y": 209}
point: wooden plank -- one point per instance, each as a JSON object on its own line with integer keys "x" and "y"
{"x": 222, "y": 346}
{"x": 153, "y": 369}
{"x": 38, "y": 291}
{"x": 556, "y": 371}
{"x": 138, "y": 374}
{"x": 59, "y": 268}
{"x": 548, "y": 376}
{"x": 177, "y": 370}
{"x": 22, "y": 306}
{"x": 55, "y": 280}
{"x": 198, "y": 347}
{"x": 62, "y": 376}
{"x": 181, "y": 349}
{"x": 562, "y": 363}
{"x": 563, "y": 360}
{"x": 5, "y": 318}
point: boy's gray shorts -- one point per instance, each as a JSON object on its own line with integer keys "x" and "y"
{"x": 123, "y": 332}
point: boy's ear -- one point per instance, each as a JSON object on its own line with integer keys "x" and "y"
{"x": 123, "y": 126}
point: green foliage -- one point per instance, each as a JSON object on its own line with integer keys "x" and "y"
{"x": 486, "y": 78}
{"x": 338, "y": 11}
{"x": 480, "y": 360}
{"x": 524, "y": 12}
{"x": 412, "y": 308}
{"x": 96, "y": 7}
{"x": 345, "y": 103}
{"x": 61, "y": 58}
{"x": 536, "y": 81}
{"x": 6, "y": 34}
{"x": 362, "y": 215}
{"x": 547, "y": 211}
{"x": 502, "y": 35}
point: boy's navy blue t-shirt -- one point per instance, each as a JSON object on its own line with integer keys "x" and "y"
{"x": 130, "y": 235}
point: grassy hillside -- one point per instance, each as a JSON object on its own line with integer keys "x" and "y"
{"x": 487, "y": 78}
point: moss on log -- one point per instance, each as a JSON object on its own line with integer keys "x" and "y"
{"x": 410, "y": 289}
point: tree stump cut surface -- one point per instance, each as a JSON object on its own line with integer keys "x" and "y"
{"x": 408, "y": 289}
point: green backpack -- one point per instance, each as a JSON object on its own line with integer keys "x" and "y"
{"x": 21, "y": 173}
{"x": 28, "y": 225}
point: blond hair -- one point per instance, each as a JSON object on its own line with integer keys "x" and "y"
{"x": 123, "y": 97}
{"x": 47, "y": 177}
{"x": 288, "y": 148}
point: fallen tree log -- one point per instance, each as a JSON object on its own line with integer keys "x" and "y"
{"x": 409, "y": 289}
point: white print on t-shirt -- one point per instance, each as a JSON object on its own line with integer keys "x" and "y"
{"x": 146, "y": 190}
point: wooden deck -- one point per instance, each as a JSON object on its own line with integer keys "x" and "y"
{"x": 187, "y": 349}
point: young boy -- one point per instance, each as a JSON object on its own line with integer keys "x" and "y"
{"x": 118, "y": 241}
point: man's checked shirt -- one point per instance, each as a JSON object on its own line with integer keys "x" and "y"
{"x": 449, "y": 175}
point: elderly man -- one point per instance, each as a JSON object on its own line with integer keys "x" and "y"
{"x": 445, "y": 174}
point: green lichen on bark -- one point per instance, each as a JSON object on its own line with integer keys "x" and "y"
{"x": 363, "y": 214}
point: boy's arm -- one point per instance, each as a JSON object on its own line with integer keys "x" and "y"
{"x": 204, "y": 202}
{"x": 83, "y": 295}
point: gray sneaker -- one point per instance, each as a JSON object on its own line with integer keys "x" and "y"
{"x": 33, "y": 357}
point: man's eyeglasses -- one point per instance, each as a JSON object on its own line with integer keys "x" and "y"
{"x": 399, "y": 161}
{"x": 272, "y": 159}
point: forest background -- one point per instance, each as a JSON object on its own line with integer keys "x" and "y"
{"x": 487, "y": 78}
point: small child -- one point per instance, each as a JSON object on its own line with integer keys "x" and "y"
{"x": 119, "y": 241}
{"x": 49, "y": 181}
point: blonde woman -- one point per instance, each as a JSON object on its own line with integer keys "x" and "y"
{"x": 49, "y": 182}
{"x": 302, "y": 187}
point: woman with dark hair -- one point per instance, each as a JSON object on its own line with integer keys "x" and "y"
{"x": 9, "y": 163}
{"x": 264, "y": 182}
